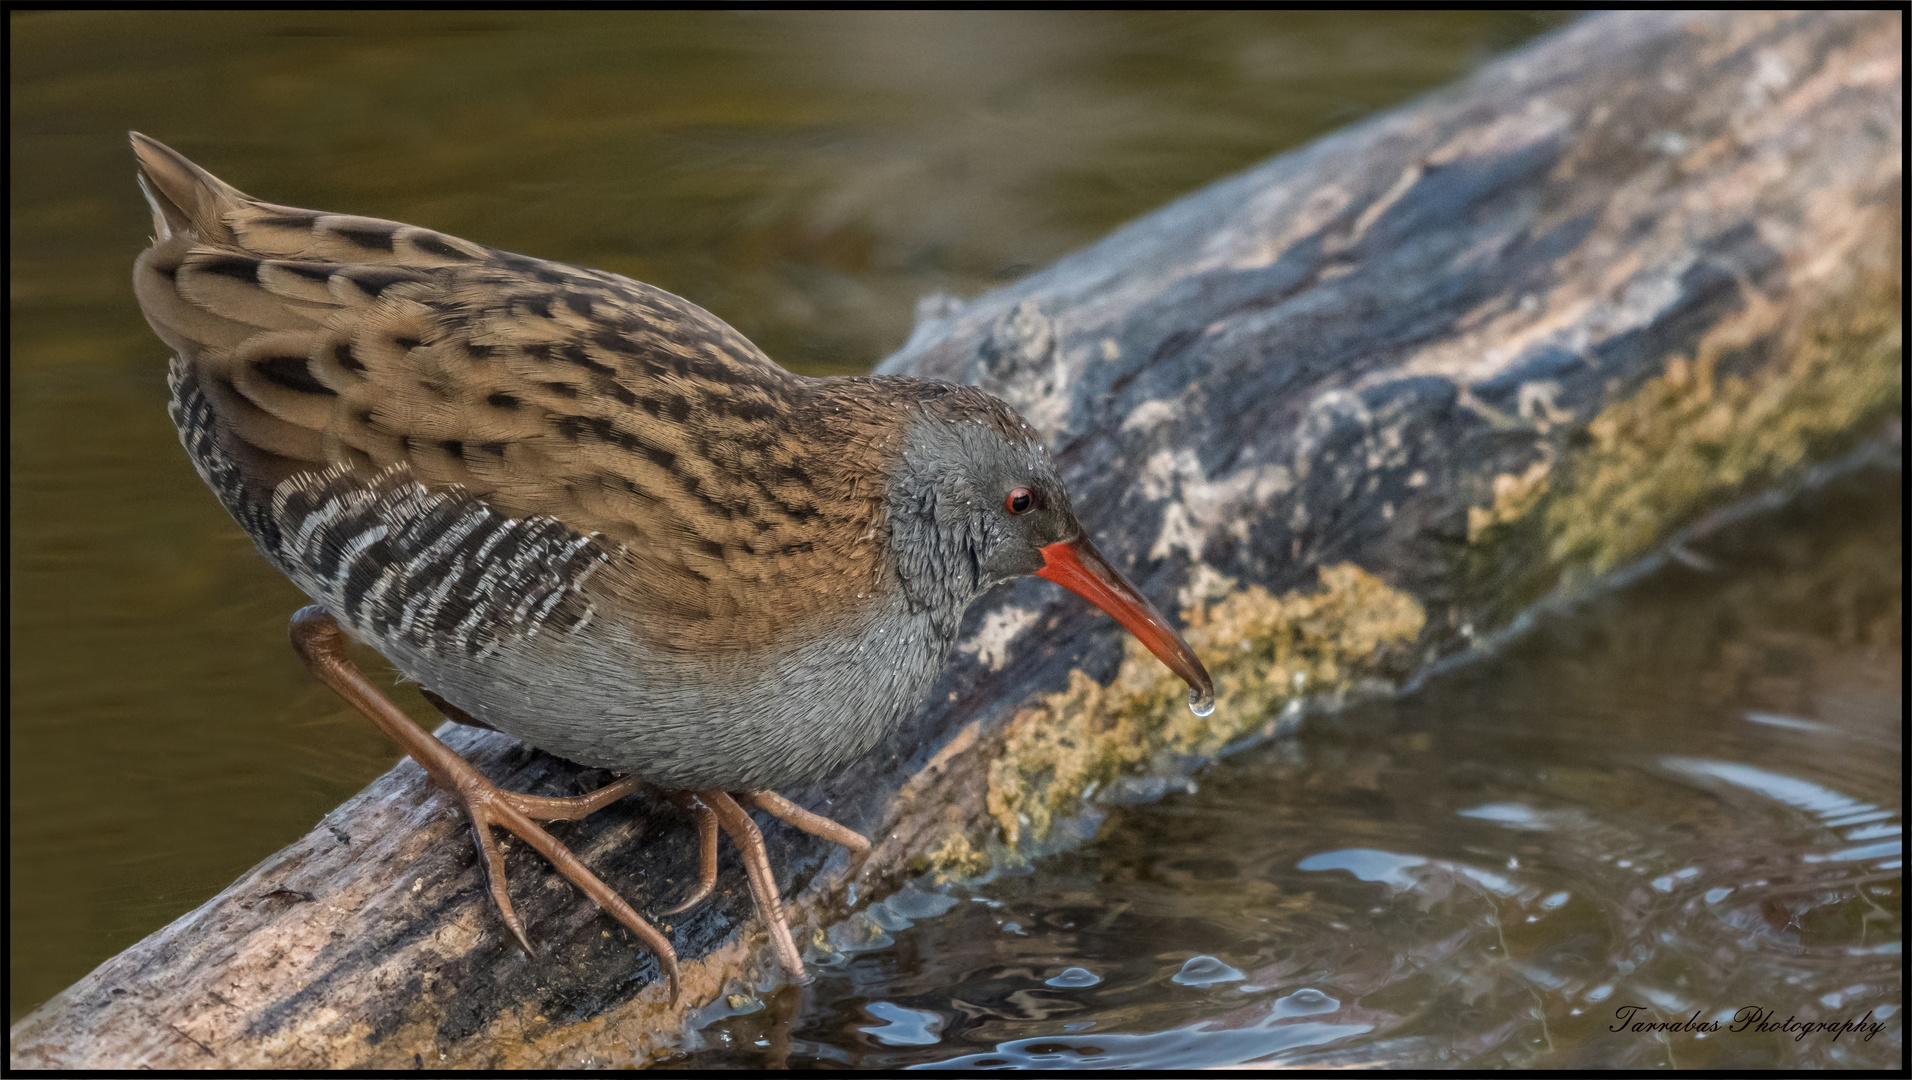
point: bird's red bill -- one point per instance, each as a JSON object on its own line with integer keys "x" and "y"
{"x": 1077, "y": 566}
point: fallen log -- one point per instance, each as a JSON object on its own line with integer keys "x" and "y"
{"x": 1358, "y": 408}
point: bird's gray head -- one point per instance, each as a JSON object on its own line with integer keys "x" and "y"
{"x": 975, "y": 500}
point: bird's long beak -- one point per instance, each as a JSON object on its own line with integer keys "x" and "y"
{"x": 1077, "y": 566}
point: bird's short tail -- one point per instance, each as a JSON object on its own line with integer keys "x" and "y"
{"x": 185, "y": 198}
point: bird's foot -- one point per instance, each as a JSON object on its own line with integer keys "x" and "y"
{"x": 777, "y": 806}
{"x": 706, "y": 849}
{"x": 796, "y": 816}
{"x": 715, "y": 809}
{"x": 318, "y": 639}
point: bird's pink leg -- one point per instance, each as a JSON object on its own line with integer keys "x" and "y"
{"x": 706, "y": 849}
{"x": 777, "y": 806}
{"x": 814, "y": 824}
{"x": 321, "y": 643}
{"x": 763, "y": 884}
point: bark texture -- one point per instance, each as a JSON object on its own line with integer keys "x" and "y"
{"x": 1359, "y": 407}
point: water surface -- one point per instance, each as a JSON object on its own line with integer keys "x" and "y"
{"x": 1677, "y": 804}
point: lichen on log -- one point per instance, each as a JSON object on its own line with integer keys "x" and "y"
{"x": 1263, "y": 651}
{"x": 1359, "y": 407}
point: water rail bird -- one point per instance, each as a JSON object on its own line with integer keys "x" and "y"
{"x": 587, "y": 513}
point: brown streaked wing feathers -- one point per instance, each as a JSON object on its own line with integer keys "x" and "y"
{"x": 610, "y": 405}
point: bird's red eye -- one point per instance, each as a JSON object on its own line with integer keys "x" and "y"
{"x": 1019, "y": 501}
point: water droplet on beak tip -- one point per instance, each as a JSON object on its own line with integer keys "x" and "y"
{"x": 1199, "y": 703}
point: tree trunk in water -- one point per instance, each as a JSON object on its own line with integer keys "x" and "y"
{"x": 1357, "y": 409}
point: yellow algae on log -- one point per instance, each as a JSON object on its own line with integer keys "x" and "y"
{"x": 954, "y": 858}
{"x": 1262, "y": 650}
{"x": 1514, "y": 496}
{"x": 1696, "y": 436}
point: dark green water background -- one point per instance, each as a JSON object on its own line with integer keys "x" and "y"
{"x": 807, "y": 178}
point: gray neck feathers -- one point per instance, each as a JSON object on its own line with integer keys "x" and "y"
{"x": 937, "y": 528}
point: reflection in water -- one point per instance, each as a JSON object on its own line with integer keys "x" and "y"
{"x": 1605, "y": 822}
{"x": 1073, "y": 978}
{"x": 904, "y": 1027}
{"x": 1206, "y": 971}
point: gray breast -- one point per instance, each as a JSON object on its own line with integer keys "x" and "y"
{"x": 783, "y": 716}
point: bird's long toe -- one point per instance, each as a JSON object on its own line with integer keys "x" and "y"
{"x": 495, "y": 807}
{"x": 796, "y": 816}
{"x": 706, "y": 850}
{"x": 763, "y": 884}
